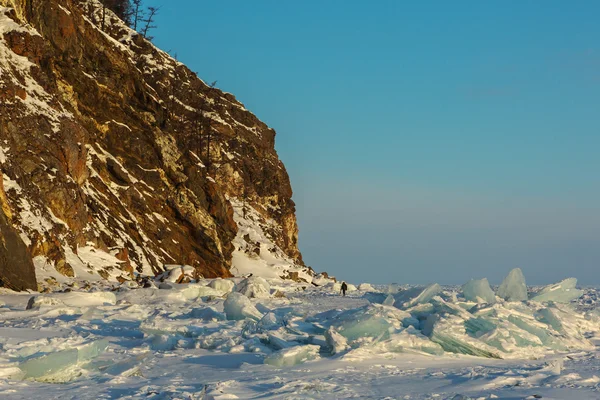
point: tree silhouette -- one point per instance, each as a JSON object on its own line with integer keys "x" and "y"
{"x": 149, "y": 21}
{"x": 137, "y": 13}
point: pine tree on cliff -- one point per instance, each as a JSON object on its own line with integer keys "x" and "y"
{"x": 149, "y": 22}
{"x": 137, "y": 13}
{"x": 121, "y": 8}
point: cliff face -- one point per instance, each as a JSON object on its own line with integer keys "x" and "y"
{"x": 117, "y": 158}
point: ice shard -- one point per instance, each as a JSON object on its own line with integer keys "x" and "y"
{"x": 449, "y": 332}
{"x": 389, "y": 301}
{"x": 51, "y": 363}
{"x": 373, "y": 321}
{"x": 414, "y": 296}
{"x": 91, "y": 350}
{"x": 479, "y": 290}
{"x": 237, "y": 306}
{"x": 513, "y": 287}
{"x": 336, "y": 342}
{"x": 561, "y": 292}
{"x": 411, "y": 340}
{"x": 48, "y": 364}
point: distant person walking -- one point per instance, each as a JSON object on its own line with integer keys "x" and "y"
{"x": 344, "y": 288}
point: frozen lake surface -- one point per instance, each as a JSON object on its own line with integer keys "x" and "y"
{"x": 183, "y": 342}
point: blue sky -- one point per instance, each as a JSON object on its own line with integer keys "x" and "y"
{"x": 426, "y": 141}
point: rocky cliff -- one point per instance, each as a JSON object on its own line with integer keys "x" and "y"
{"x": 116, "y": 158}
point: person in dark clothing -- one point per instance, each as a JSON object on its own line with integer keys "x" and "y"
{"x": 344, "y": 288}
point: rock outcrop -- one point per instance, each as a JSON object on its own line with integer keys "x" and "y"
{"x": 118, "y": 159}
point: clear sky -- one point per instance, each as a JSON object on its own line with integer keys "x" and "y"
{"x": 426, "y": 141}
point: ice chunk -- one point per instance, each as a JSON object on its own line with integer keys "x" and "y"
{"x": 513, "y": 287}
{"x": 416, "y": 296}
{"x": 91, "y": 350}
{"x": 422, "y": 311}
{"x": 279, "y": 343}
{"x": 538, "y": 329}
{"x": 222, "y": 285}
{"x": 270, "y": 321}
{"x": 207, "y": 314}
{"x": 548, "y": 316}
{"x": 553, "y": 367}
{"x": 479, "y": 290}
{"x": 393, "y": 288}
{"x": 561, "y": 292}
{"x": 411, "y": 340}
{"x": 48, "y": 364}
{"x": 254, "y": 286}
{"x": 194, "y": 291}
{"x": 321, "y": 280}
{"x": 128, "y": 367}
{"x": 237, "y": 306}
{"x": 293, "y": 356}
{"x": 389, "y": 301}
{"x": 335, "y": 287}
{"x": 335, "y": 341}
{"x": 8, "y": 371}
{"x": 449, "y": 332}
{"x": 373, "y": 321}
{"x": 366, "y": 287}
{"x": 164, "y": 342}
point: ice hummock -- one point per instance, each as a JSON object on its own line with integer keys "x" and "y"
{"x": 237, "y": 307}
{"x": 561, "y": 292}
{"x": 513, "y": 287}
{"x": 479, "y": 291}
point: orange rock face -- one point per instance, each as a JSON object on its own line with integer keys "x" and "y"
{"x": 112, "y": 147}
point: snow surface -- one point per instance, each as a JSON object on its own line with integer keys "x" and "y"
{"x": 119, "y": 342}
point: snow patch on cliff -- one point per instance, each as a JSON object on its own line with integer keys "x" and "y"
{"x": 255, "y": 251}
